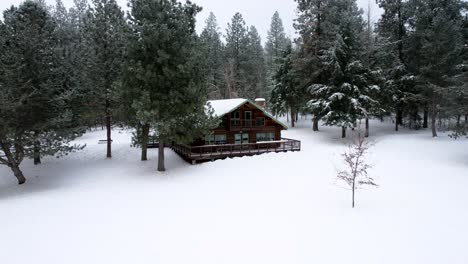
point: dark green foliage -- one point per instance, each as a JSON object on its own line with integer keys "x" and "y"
{"x": 213, "y": 49}
{"x": 276, "y": 45}
{"x": 164, "y": 76}
{"x": 35, "y": 111}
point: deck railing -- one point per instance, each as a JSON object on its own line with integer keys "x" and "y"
{"x": 211, "y": 152}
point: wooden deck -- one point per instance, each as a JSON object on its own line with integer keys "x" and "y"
{"x": 215, "y": 152}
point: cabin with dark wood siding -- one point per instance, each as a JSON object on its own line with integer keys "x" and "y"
{"x": 246, "y": 129}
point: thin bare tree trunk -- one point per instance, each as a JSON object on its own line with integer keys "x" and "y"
{"x": 353, "y": 192}
{"x": 434, "y": 117}
{"x": 144, "y": 142}
{"x": 293, "y": 118}
{"x": 109, "y": 130}
{"x": 37, "y": 153}
{"x": 367, "y": 133}
{"x": 161, "y": 157}
{"x": 398, "y": 119}
{"x": 315, "y": 126}
{"x": 466, "y": 119}
{"x": 426, "y": 117}
{"x": 343, "y": 132}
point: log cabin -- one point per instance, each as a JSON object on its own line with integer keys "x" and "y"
{"x": 246, "y": 129}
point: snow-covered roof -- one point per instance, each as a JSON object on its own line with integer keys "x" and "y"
{"x": 223, "y": 107}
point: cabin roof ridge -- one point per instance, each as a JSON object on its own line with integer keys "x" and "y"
{"x": 226, "y": 106}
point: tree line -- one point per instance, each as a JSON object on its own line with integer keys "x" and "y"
{"x": 65, "y": 70}
{"x": 411, "y": 65}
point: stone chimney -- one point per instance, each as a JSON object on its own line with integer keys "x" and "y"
{"x": 261, "y": 102}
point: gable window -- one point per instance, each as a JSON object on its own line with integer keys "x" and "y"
{"x": 235, "y": 118}
{"x": 219, "y": 139}
{"x": 260, "y": 121}
{"x": 248, "y": 118}
{"x": 265, "y": 137}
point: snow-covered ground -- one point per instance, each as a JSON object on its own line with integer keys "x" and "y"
{"x": 275, "y": 208}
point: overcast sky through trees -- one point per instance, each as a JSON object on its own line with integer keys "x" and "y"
{"x": 255, "y": 12}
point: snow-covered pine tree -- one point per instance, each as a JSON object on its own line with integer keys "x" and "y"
{"x": 235, "y": 55}
{"x": 287, "y": 95}
{"x": 254, "y": 66}
{"x": 317, "y": 28}
{"x": 393, "y": 48}
{"x": 437, "y": 27}
{"x": 106, "y": 31}
{"x": 344, "y": 97}
{"x": 275, "y": 46}
{"x": 35, "y": 110}
{"x": 214, "y": 51}
{"x": 164, "y": 72}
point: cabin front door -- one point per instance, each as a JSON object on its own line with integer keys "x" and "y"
{"x": 242, "y": 138}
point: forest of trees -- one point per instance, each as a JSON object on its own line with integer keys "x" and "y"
{"x": 63, "y": 71}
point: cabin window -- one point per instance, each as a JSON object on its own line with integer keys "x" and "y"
{"x": 265, "y": 137}
{"x": 241, "y": 139}
{"x": 248, "y": 118}
{"x": 219, "y": 139}
{"x": 235, "y": 118}
{"x": 260, "y": 121}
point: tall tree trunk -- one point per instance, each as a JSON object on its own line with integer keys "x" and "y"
{"x": 367, "y": 128}
{"x": 13, "y": 163}
{"x": 426, "y": 117}
{"x": 458, "y": 120}
{"x": 293, "y": 118}
{"x": 343, "y": 132}
{"x": 398, "y": 118}
{"x": 434, "y": 116}
{"x": 161, "y": 157}
{"x": 144, "y": 141}
{"x": 466, "y": 119}
{"x": 353, "y": 192}
{"x": 18, "y": 174}
{"x": 315, "y": 126}
{"x": 37, "y": 153}
{"x": 109, "y": 130}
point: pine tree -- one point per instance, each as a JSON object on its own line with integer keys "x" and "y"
{"x": 105, "y": 36}
{"x": 213, "y": 48}
{"x": 316, "y": 25}
{"x": 235, "y": 56}
{"x": 403, "y": 95}
{"x": 35, "y": 110}
{"x": 438, "y": 37}
{"x": 254, "y": 67}
{"x": 276, "y": 45}
{"x": 341, "y": 86}
{"x": 287, "y": 94}
{"x": 163, "y": 72}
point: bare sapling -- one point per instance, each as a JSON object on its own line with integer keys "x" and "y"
{"x": 355, "y": 173}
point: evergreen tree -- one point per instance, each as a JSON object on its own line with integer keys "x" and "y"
{"x": 403, "y": 96}
{"x": 287, "y": 93}
{"x": 254, "y": 66}
{"x": 213, "y": 48}
{"x": 35, "y": 110}
{"x": 105, "y": 36}
{"x": 163, "y": 72}
{"x": 345, "y": 96}
{"x": 276, "y": 45}
{"x": 438, "y": 37}
{"x": 235, "y": 56}
{"x": 317, "y": 26}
